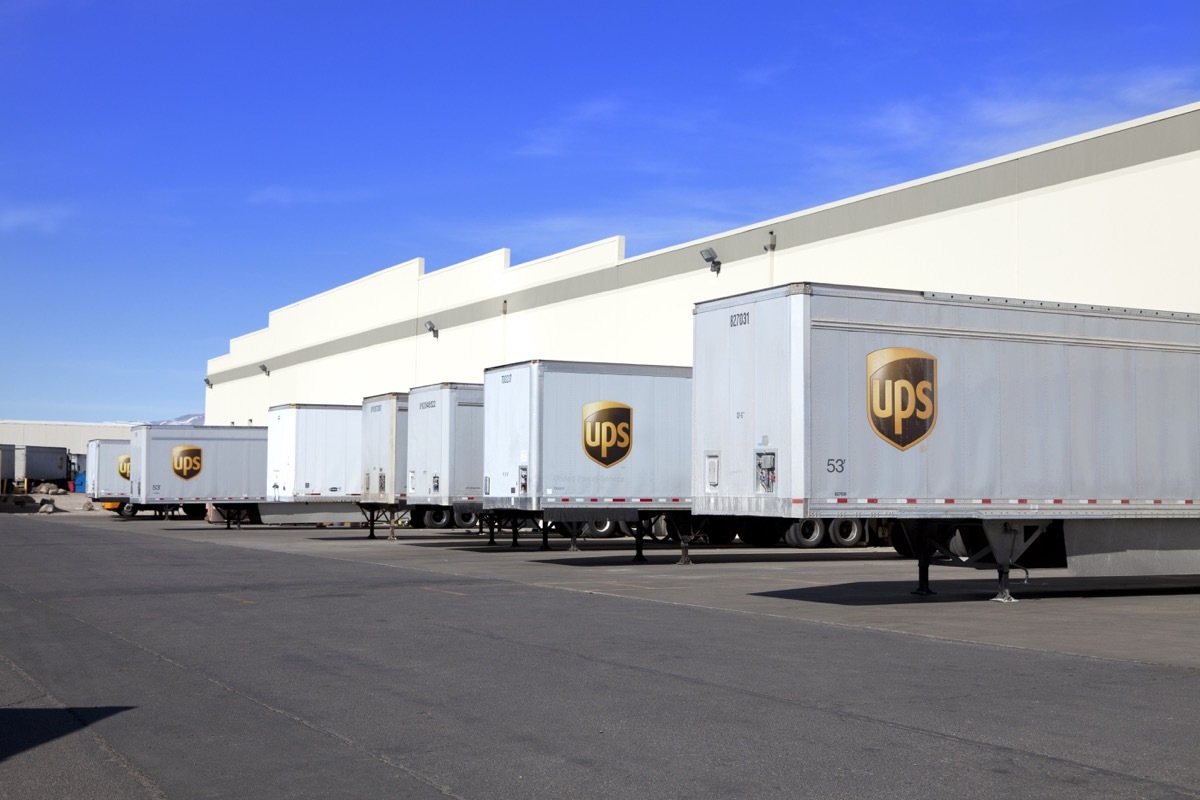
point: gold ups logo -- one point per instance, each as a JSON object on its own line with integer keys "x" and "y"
{"x": 607, "y": 432}
{"x": 123, "y": 466}
{"x": 185, "y": 461}
{"x": 901, "y": 395}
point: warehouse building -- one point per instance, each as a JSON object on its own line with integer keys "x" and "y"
{"x": 1107, "y": 218}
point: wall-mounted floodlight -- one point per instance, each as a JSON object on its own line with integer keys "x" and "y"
{"x": 208, "y": 383}
{"x": 429, "y": 326}
{"x": 710, "y": 257}
{"x": 266, "y": 371}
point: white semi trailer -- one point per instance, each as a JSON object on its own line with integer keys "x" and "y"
{"x": 8, "y": 469}
{"x": 108, "y": 473}
{"x": 445, "y": 455}
{"x": 384, "y": 459}
{"x": 574, "y": 443}
{"x": 34, "y": 464}
{"x": 191, "y": 466}
{"x": 967, "y": 430}
{"x": 314, "y": 464}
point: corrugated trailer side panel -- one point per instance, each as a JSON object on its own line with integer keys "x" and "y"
{"x": 108, "y": 469}
{"x": 36, "y": 463}
{"x": 1033, "y": 411}
{"x": 8, "y": 466}
{"x": 182, "y": 464}
{"x": 640, "y": 459}
{"x": 314, "y": 452}
{"x": 466, "y": 446}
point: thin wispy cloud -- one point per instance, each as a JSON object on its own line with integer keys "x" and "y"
{"x": 561, "y": 136}
{"x": 32, "y": 218}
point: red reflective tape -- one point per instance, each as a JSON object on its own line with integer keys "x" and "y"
{"x": 986, "y": 500}
{"x": 645, "y": 499}
{"x": 1124, "y": 502}
{"x": 797, "y": 502}
{"x": 1158, "y": 502}
{"x": 594, "y": 500}
{"x": 676, "y": 500}
{"x": 1023, "y": 500}
{"x": 1093, "y": 502}
{"x": 565, "y": 500}
{"x": 872, "y": 499}
{"x": 843, "y": 500}
{"x": 911, "y": 500}
{"x": 1057, "y": 501}
{"x": 950, "y": 500}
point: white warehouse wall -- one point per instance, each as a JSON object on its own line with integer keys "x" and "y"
{"x": 1106, "y": 218}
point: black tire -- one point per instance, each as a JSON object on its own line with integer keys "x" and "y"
{"x": 898, "y": 536}
{"x": 846, "y": 532}
{"x": 567, "y": 529}
{"x": 438, "y": 518}
{"x": 194, "y": 510}
{"x": 416, "y": 517}
{"x": 805, "y": 533}
{"x": 601, "y": 529}
{"x": 760, "y": 535}
{"x": 466, "y": 520}
{"x": 126, "y": 510}
{"x": 720, "y": 531}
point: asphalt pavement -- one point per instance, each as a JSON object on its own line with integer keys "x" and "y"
{"x": 156, "y": 658}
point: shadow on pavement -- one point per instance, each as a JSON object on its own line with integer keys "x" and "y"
{"x": 891, "y": 593}
{"x": 23, "y": 729}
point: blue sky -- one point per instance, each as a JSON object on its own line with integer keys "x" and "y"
{"x": 172, "y": 170}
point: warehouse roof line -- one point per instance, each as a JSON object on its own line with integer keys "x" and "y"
{"x": 1130, "y": 144}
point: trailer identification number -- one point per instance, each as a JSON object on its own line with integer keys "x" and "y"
{"x": 506, "y": 378}
{"x": 428, "y": 404}
{"x": 377, "y": 407}
{"x": 739, "y": 319}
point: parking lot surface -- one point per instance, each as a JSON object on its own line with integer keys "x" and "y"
{"x": 167, "y": 658}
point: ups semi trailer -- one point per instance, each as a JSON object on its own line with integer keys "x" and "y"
{"x": 314, "y": 464}
{"x": 973, "y": 431}
{"x": 445, "y": 455}
{"x": 586, "y": 446}
{"x": 193, "y": 466}
{"x": 107, "y": 480}
{"x": 384, "y": 459}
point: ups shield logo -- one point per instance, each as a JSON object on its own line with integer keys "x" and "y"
{"x": 185, "y": 461}
{"x": 123, "y": 466}
{"x": 607, "y": 432}
{"x": 901, "y": 395}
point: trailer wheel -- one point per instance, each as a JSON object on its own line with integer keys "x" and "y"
{"x": 761, "y": 536}
{"x": 567, "y": 529}
{"x": 898, "y": 536}
{"x": 720, "y": 531}
{"x": 846, "y": 532}
{"x": 194, "y": 510}
{"x": 805, "y": 533}
{"x": 126, "y": 510}
{"x": 601, "y": 529}
{"x": 437, "y": 518}
{"x": 465, "y": 519}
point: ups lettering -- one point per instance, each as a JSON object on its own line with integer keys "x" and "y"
{"x": 605, "y": 435}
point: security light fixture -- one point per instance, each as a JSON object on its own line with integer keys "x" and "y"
{"x": 710, "y": 257}
{"x": 208, "y": 383}
{"x": 266, "y": 371}
{"x": 429, "y": 326}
